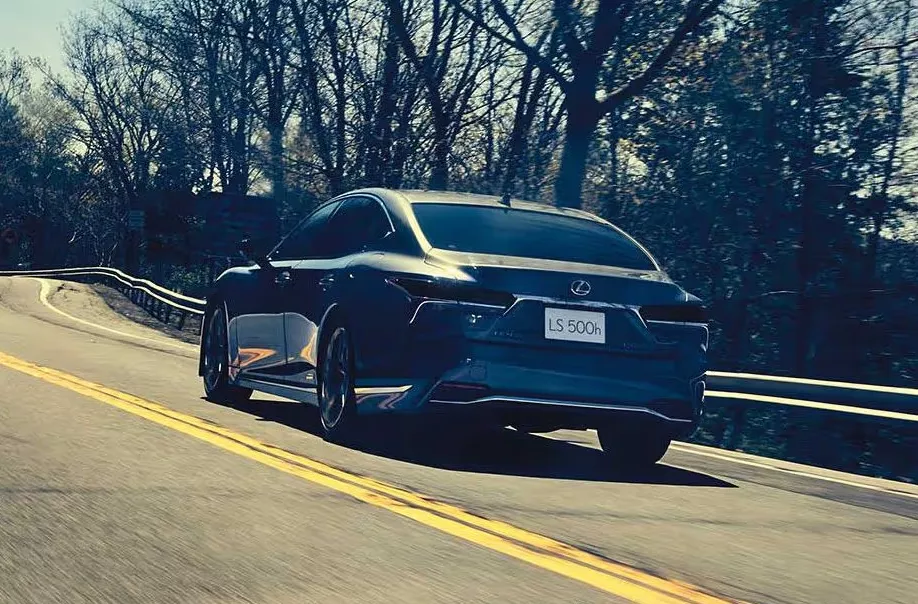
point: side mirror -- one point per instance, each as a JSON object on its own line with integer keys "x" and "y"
{"x": 247, "y": 251}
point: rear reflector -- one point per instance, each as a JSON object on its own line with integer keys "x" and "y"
{"x": 675, "y": 313}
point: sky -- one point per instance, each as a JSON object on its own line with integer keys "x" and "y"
{"x": 33, "y": 27}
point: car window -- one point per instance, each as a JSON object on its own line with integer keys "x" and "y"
{"x": 528, "y": 234}
{"x": 305, "y": 240}
{"x": 359, "y": 224}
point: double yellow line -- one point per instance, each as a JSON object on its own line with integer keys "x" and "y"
{"x": 541, "y": 551}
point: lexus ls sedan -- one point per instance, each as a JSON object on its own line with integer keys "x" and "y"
{"x": 501, "y": 312}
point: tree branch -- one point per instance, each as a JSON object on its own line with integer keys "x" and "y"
{"x": 515, "y": 39}
{"x": 575, "y": 50}
{"x": 697, "y": 13}
{"x": 607, "y": 26}
{"x": 898, "y": 46}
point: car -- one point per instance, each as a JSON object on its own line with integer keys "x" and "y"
{"x": 485, "y": 310}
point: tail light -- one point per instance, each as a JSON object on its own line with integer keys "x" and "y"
{"x": 675, "y": 313}
{"x": 452, "y": 291}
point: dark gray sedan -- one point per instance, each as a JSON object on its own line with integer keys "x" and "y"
{"x": 500, "y": 312}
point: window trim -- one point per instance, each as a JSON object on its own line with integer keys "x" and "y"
{"x": 344, "y": 199}
{"x": 315, "y": 211}
{"x": 340, "y": 201}
{"x": 382, "y": 204}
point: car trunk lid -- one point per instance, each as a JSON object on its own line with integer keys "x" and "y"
{"x": 547, "y": 313}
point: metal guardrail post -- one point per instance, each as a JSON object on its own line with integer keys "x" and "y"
{"x": 737, "y": 423}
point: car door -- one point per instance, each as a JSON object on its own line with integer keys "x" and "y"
{"x": 259, "y": 327}
{"x": 256, "y": 325}
{"x": 318, "y": 281}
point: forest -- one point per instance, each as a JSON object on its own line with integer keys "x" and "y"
{"x": 765, "y": 151}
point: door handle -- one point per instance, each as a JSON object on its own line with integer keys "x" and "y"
{"x": 283, "y": 278}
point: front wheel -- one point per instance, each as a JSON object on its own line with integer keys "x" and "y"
{"x": 633, "y": 449}
{"x": 337, "y": 398}
{"x": 217, "y": 388}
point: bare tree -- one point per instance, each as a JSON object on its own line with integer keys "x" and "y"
{"x": 14, "y": 78}
{"x": 531, "y": 90}
{"x": 902, "y": 65}
{"x": 449, "y": 62}
{"x": 266, "y": 25}
{"x": 586, "y": 44}
{"x": 121, "y": 105}
{"x": 323, "y": 68}
{"x": 208, "y": 51}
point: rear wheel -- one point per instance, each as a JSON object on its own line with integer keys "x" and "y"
{"x": 217, "y": 388}
{"x": 633, "y": 449}
{"x": 337, "y": 398}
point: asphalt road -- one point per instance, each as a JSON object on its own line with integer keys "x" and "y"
{"x": 144, "y": 492}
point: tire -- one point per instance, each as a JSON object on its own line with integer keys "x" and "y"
{"x": 215, "y": 350}
{"x": 633, "y": 449}
{"x": 336, "y": 396}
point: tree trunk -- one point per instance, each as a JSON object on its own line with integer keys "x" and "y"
{"x": 614, "y": 207}
{"x": 402, "y": 147}
{"x": 379, "y": 162}
{"x": 336, "y": 182}
{"x": 582, "y": 119}
{"x": 490, "y": 170}
{"x": 522, "y": 122}
{"x": 439, "y": 169}
{"x": 808, "y": 250}
{"x": 882, "y": 199}
{"x": 276, "y": 165}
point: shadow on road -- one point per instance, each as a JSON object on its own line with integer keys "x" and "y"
{"x": 504, "y": 452}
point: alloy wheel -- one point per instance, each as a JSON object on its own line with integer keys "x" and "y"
{"x": 336, "y": 379}
{"x": 214, "y": 350}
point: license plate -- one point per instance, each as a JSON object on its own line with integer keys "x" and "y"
{"x": 575, "y": 325}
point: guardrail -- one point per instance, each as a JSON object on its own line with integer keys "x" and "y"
{"x": 886, "y": 402}
{"x": 160, "y": 302}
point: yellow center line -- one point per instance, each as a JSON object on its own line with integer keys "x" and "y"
{"x": 539, "y": 550}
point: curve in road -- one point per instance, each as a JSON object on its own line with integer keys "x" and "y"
{"x": 736, "y": 529}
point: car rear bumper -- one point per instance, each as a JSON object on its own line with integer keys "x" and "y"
{"x": 543, "y": 415}
{"x": 526, "y": 387}
{"x": 537, "y": 414}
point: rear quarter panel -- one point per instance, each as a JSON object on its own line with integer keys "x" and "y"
{"x": 378, "y": 312}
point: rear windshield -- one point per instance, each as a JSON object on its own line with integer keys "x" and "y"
{"x": 527, "y": 234}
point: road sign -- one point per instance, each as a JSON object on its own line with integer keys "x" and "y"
{"x": 136, "y": 219}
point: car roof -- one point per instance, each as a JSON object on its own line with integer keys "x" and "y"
{"x": 419, "y": 196}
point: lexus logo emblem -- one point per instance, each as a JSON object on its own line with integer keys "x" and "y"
{"x": 580, "y": 287}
